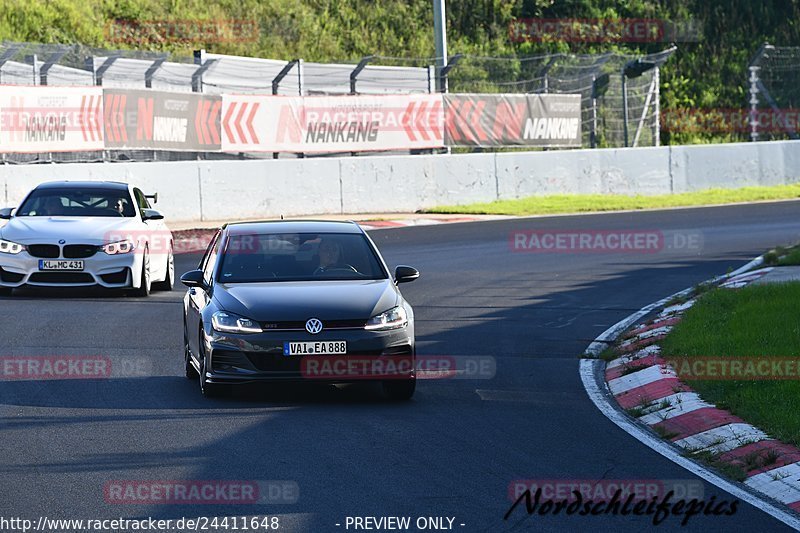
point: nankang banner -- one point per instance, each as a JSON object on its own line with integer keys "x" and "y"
{"x": 489, "y": 120}
{"x": 50, "y": 119}
{"x": 158, "y": 120}
{"x": 331, "y": 123}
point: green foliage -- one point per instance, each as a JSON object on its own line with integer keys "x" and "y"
{"x": 711, "y": 72}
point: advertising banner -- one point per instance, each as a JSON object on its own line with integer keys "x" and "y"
{"x": 489, "y": 120}
{"x": 50, "y": 119}
{"x": 159, "y": 120}
{"x": 331, "y": 123}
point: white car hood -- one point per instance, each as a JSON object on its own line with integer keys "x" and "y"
{"x": 76, "y": 230}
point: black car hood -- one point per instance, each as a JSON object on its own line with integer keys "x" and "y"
{"x": 294, "y": 301}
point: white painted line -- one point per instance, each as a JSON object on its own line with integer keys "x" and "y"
{"x": 722, "y": 439}
{"x": 644, "y": 336}
{"x": 782, "y": 484}
{"x": 648, "y": 351}
{"x": 589, "y": 367}
{"x": 663, "y": 330}
{"x": 610, "y": 335}
{"x": 645, "y": 376}
{"x": 745, "y": 279}
{"x": 679, "y": 404}
{"x": 676, "y": 309}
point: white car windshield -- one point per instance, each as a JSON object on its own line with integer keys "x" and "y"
{"x": 73, "y": 202}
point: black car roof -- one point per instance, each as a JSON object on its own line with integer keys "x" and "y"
{"x": 293, "y": 226}
{"x": 113, "y": 185}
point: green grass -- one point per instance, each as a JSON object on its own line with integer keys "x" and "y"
{"x": 725, "y": 468}
{"x": 792, "y": 257}
{"x": 756, "y": 321}
{"x": 579, "y": 203}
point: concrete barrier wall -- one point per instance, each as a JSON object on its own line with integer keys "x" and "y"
{"x": 191, "y": 191}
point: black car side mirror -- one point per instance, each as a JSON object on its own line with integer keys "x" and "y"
{"x": 5, "y": 213}
{"x": 151, "y": 214}
{"x": 193, "y": 278}
{"x": 404, "y": 274}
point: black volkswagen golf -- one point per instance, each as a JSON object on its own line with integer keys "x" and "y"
{"x": 297, "y": 301}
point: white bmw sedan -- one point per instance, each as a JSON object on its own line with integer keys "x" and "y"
{"x": 78, "y": 234}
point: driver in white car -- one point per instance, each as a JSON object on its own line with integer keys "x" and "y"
{"x": 51, "y": 206}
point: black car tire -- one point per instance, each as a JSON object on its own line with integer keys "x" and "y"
{"x": 399, "y": 390}
{"x": 169, "y": 281}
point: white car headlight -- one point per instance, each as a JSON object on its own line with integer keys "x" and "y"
{"x": 230, "y": 323}
{"x": 119, "y": 247}
{"x": 391, "y": 319}
{"x": 8, "y": 247}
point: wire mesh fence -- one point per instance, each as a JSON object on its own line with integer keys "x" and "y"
{"x": 774, "y": 80}
{"x": 619, "y": 93}
{"x": 597, "y": 78}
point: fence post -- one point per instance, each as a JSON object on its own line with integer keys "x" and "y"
{"x": 34, "y": 61}
{"x": 276, "y": 82}
{"x": 625, "y": 107}
{"x": 300, "y": 77}
{"x": 657, "y": 105}
{"x": 49, "y": 62}
{"x": 445, "y": 71}
{"x": 98, "y": 73}
{"x": 151, "y": 70}
{"x": 754, "y": 102}
{"x": 356, "y": 71}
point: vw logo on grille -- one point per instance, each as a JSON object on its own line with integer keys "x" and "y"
{"x": 61, "y": 241}
{"x": 313, "y": 325}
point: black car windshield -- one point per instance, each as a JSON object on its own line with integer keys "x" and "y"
{"x": 299, "y": 257}
{"x": 75, "y": 202}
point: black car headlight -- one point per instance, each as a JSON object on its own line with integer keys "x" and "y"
{"x": 9, "y": 247}
{"x": 225, "y": 322}
{"x": 391, "y": 319}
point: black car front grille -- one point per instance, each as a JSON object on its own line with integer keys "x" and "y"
{"x": 45, "y": 251}
{"x": 79, "y": 251}
{"x": 61, "y": 277}
{"x": 297, "y": 325}
{"x": 10, "y": 277}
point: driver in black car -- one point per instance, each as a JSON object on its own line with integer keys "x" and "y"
{"x": 330, "y": 257}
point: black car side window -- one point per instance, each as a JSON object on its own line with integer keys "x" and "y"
{"x": 210, "y": 260}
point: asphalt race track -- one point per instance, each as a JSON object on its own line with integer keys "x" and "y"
{"x": 451, "y": 452}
